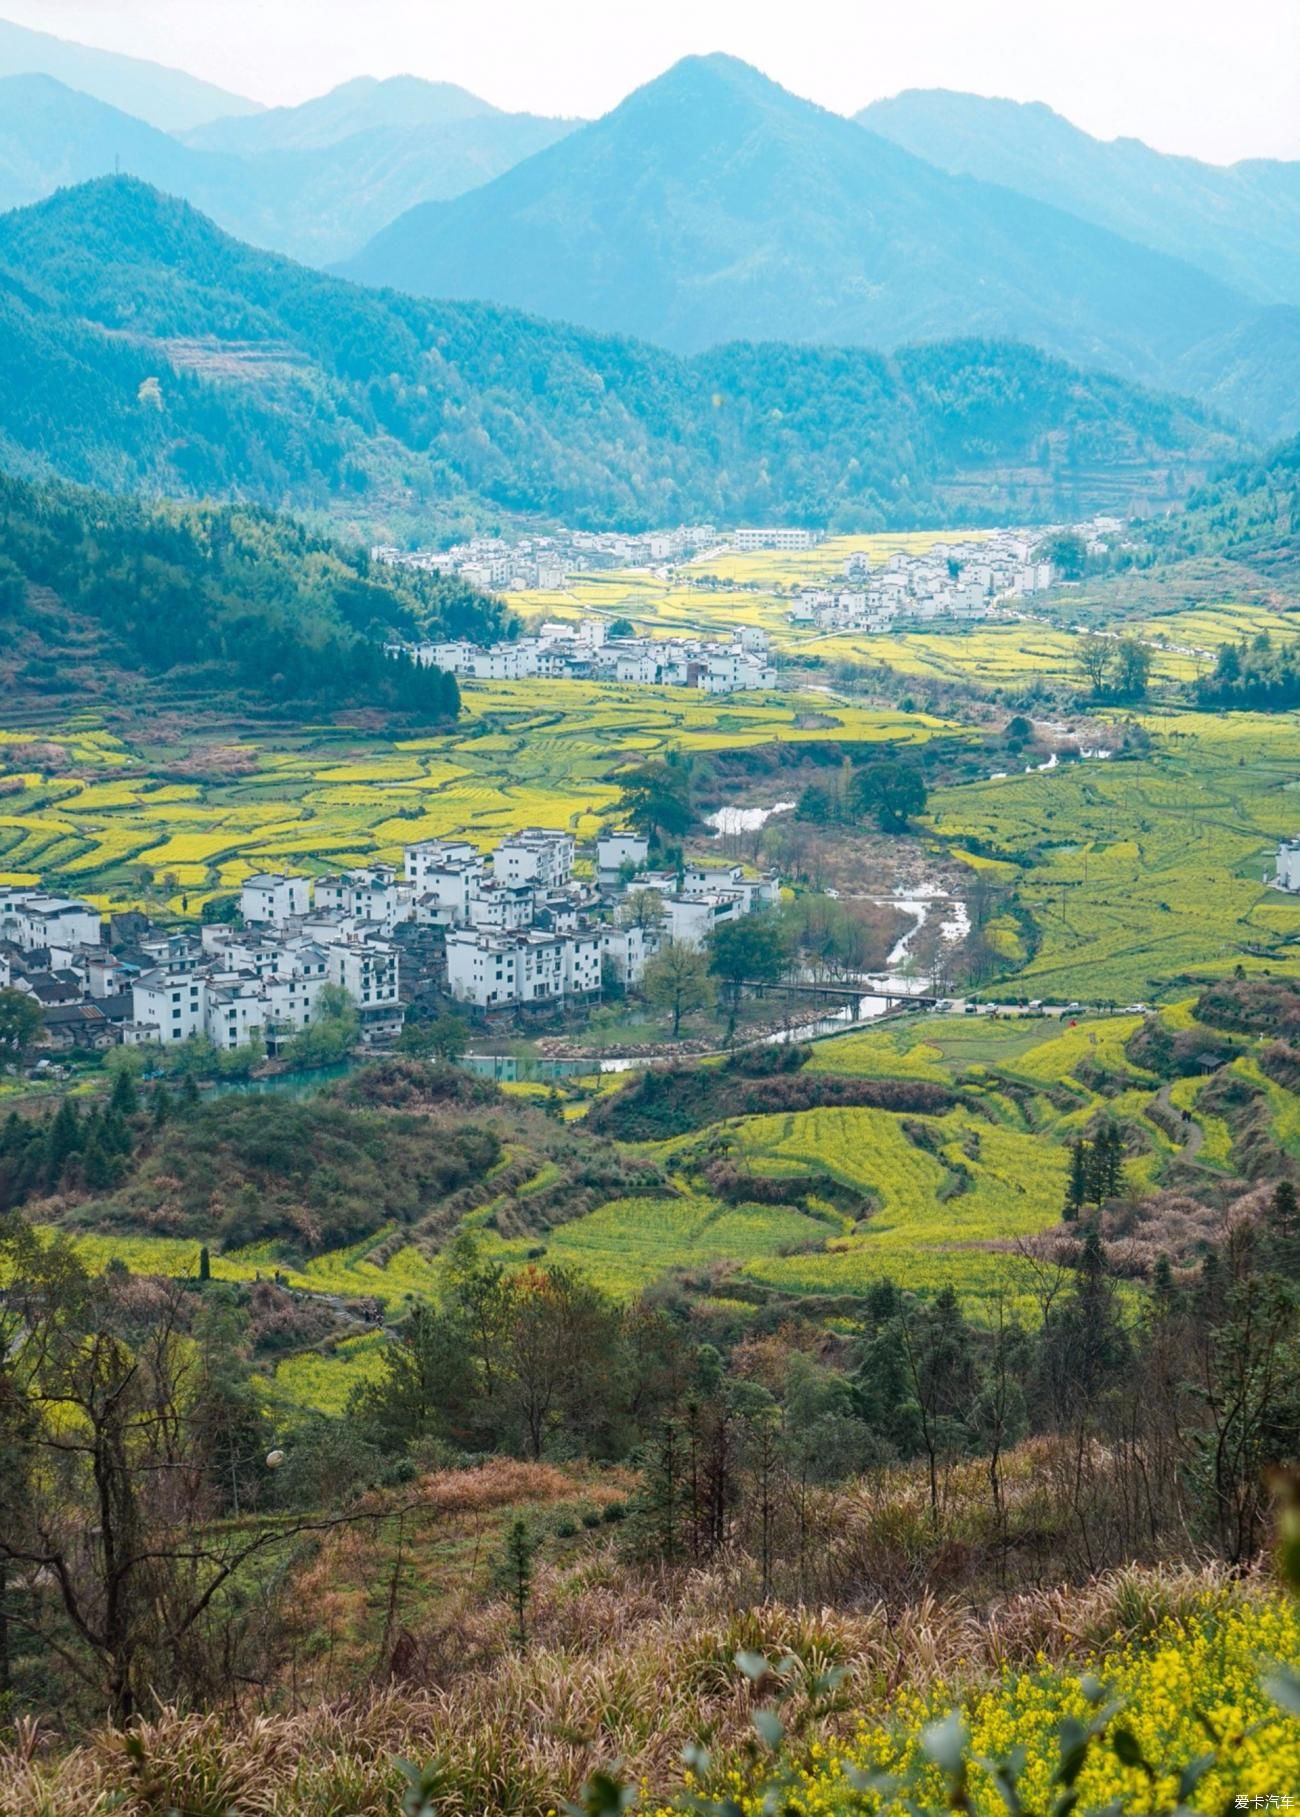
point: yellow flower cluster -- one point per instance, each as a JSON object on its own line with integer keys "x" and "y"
{"x": 1192, "y": 1689}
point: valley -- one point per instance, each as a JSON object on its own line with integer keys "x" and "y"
{"x": 649, "y": 918}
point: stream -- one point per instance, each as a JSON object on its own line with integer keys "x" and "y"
{"x": 896, "y": 981}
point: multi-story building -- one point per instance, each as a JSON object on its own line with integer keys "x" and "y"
{"x": 542, "y": 856}
{"x": 617, "y": 849}
{"x": 273, "y": 898}
{"x": 1288, "y": 864}
{"x": 30, "y": 919}
{"x": 170, "y": 1006}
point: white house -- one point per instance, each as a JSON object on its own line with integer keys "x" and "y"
{"x": 496, "y": 903}
{"x": 503, "y": 970}
{"x": 691, "y": 919}
{"x": 172, "y": 1004}
{"x": 30, "y": 919}
{"x": 1288, "y": 864}
{"x": 626, "y": 949}
{"x": 615, "y": 849}
{"x": 272, "y": 898}
{"x": 537, "y": 855}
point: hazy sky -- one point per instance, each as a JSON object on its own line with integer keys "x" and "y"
{"x": 1218, "y": 80}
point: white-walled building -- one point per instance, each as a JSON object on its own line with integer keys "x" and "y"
{"x": 274, "y": 898}
{"x": 542, "y": 856}
{"x": 1288, "y": 864}
{"x": 30, "y": 919}
{"x": 173, "y": 1005}
{"x": 616, "y": 849}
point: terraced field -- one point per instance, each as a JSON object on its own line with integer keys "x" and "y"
{"x": 190, "y": 816}
{"x": 927, "y": 1200}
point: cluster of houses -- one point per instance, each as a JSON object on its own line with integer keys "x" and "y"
{"x": 967, "y": 579}
{"x": 544, "y": 563}
{"x": 495, "y": 932}
{"x": 586, "y": 652}
{"x": 527, "y": 931}
{"x": 102, "y": 981}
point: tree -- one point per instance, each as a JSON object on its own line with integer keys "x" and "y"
{"x": 677, "y": 979}
{"x": 426, "y": 1385}
{"x": 892, "y": 791}
{"x": 643, "y": 909}
{"x": 1076, "y": 1191}
{"x": 450, "y": 1038}
{"x": 750, "y": 950}
{"x": 560, "y": 1356}
{"x": 124, "y": 1098}
{"x": 111, "y": 1512}
{"x": 20, "y": 1024}
{"x": 332, "y": 1032}
{"x": 515, "y": 1576}
{"x": 445, "y": 1038}
{"x": 622, "y": 627}
{"x": 1067, "y": 552}
{"x": 1282, "y": 1223}
{"x": 656, "y": 801}
{"x": 1132, "y": 670}
{"x": 1096, "y": 655}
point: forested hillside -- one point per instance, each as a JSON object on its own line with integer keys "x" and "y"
{"x": 149, "y": 351}
{"x": 255, "y": 599}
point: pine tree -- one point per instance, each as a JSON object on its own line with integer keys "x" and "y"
{"x": 162, "y": 1106}
{"x": 62, "y": 1141}
{"x": 189, "y": 1094}
{"x": 1076, "y": 1190}
{"x": 515, "y": 1576}
{"x": 1113, "y": 1160}
{"x": 114, "y": 1133}
{"x": 205, "y": 1264}
{"x": 1283, "y": 1226}
{"x": 98, "y": 1168}
{"x": 125, "y": 1100}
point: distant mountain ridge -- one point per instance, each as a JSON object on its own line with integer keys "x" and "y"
{"x": 152, "y": 352}
{"x": 713, "y": 205}
{"x": 360, "y": 105}
{"x": 315, "y": 201}
{"x": 1240, "y": 222}
{"x": 166, "y": 98}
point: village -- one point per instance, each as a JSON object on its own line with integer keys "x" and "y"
{"x": 961, "y": 579}
{"x": 970, "y": 578}
{"x": 502, "y": 935}
{"x": 588, "y": 652}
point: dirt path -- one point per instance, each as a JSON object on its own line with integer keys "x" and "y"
{"x": 1183, "y": 1129}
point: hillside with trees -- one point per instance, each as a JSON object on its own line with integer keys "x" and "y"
{"x": 151, "y": 352}
{"x": 232, "y": 595}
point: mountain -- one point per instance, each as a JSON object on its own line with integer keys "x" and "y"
{"x": 315, "y": 204}
{"x": 712, "y": 204}
{"x": 1241, "y": 222}
{"x": 148, "y": 350}
{"x": 357, "y": 106}
{"x": 166, "y": 98}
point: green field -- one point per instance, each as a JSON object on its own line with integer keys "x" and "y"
{"x": 1142, "y": 874}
